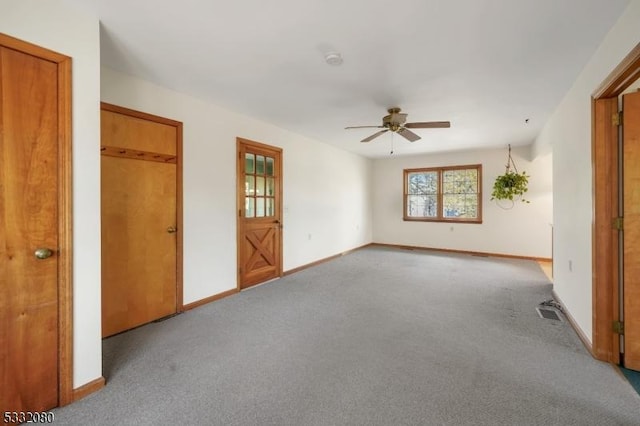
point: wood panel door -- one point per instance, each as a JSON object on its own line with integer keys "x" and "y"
{"x": 631, "y": 233}
{"x": 34, "y": 228}
{"x": 259, "y": 175}
{"x": 140, "y": 219}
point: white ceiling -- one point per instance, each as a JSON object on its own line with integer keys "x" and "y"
{"x": 484, "y": 65}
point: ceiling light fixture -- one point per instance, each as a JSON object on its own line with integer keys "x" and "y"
{"x": 333, "y": 58}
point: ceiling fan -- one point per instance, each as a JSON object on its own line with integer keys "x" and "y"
{"x": 395, "y": 122}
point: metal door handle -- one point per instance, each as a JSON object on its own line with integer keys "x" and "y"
{"x": 43, "y": 253}
{"x": 172, "y": 229}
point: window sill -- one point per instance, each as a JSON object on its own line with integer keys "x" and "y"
{"x": 421, "y": 219}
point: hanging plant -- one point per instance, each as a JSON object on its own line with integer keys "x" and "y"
{"x": 511, "y": 185}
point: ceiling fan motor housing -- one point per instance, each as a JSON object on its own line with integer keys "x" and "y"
{"x": 394, "y": 120}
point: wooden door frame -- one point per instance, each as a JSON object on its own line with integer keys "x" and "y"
{"x": 605, "y": 252}
{"x": 65, "y": 217}
{"x": 240, "y": 202}
{"x": 104, "y": 106}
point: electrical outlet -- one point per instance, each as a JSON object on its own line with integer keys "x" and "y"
{"x": 570, "y": 266}
{"x": 309, "y": 237}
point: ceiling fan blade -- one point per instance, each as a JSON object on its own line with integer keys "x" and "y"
{"x": 364, "y": 127}
{"x": 375, "y": 135}
{"x": 429, "y": 125}
{"x": 408, "y": 134}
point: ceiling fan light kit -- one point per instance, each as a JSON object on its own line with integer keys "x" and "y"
{"x": 396, "y": 122}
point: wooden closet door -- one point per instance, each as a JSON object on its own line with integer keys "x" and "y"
{"x": 29, "y": 246}
{"x": 631, "y": 232}
{"x": 139, "y": 221}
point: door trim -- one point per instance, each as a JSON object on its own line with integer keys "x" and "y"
{"x": 605, "y": 253}
{"x": 65, "y": 216}
{"x": 240, "y": 142}
{"x": 179, "y": 204}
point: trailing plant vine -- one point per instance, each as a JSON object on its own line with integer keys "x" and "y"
{"x": 511, "y": 185}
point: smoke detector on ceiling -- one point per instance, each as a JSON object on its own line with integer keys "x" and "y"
{"x": 333, "y": 58}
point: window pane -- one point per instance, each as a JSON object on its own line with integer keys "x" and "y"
{"x": 472, "y": 186}
{"x": 259, "y": 164}
{"x": 270, "y": 208}
{"x": 422, "y": 205}
{"x": 472, "y": 181}
{"x": 423, "y": 183}
{"x": 471, "y": 206}
{"x": 269, "y": 166}
{"x": 448, "y": 186}
{"x": 259, "y": 207}
{"x": 453, "y": 205}
{"x": 259, "y": 185}
{"x": 249, "y": 163}
{"x": 271, "y": 186}
{"x": 448, "y": 175}
{"x": 461, "y": 181}
{"x": 463, "y": 206}
{"x": 249, "y": 185}
{"x": 249, "y": 207}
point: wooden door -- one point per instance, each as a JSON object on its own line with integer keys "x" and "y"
{"x": 139, "y": 194}
{"x": 631, "y": 233}
{"x": 259, "y": 174}
{"x": 34, "y": 225}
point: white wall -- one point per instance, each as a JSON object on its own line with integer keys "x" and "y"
{"x": 524, "y": 230}
{"x": 568, "y": 133}
{"x": 327, "y": 207}
{"x": 53, "y": 25}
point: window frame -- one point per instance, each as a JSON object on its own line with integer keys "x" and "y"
{"x": 440, "y": 217}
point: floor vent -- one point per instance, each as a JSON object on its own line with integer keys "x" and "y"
{"x": 548, "y": 314}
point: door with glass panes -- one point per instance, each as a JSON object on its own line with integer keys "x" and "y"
{"x": 259, "y": 176}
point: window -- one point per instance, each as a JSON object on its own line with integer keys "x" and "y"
{"x": 443, "y": 194}
{"x": 260, "y": 185}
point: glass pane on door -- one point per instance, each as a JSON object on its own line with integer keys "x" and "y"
{"x": 259, "y": 164}
{"x": 249, "y": 164}
{"x": 269, "y": 166}
{"x": 271, "y": 211}
{"x": 249, "y": 207}
{"x": 271, "y": 186}
{"x": 249, "y": 185}
{"x": 260, "y": 207}
{"x": 259, "y": 185}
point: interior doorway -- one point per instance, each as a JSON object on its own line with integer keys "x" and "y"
{"x": 616, "y": 320}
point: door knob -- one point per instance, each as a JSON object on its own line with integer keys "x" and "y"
{"x": 43, "y": 253}
{"x": 172, "y": 229}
